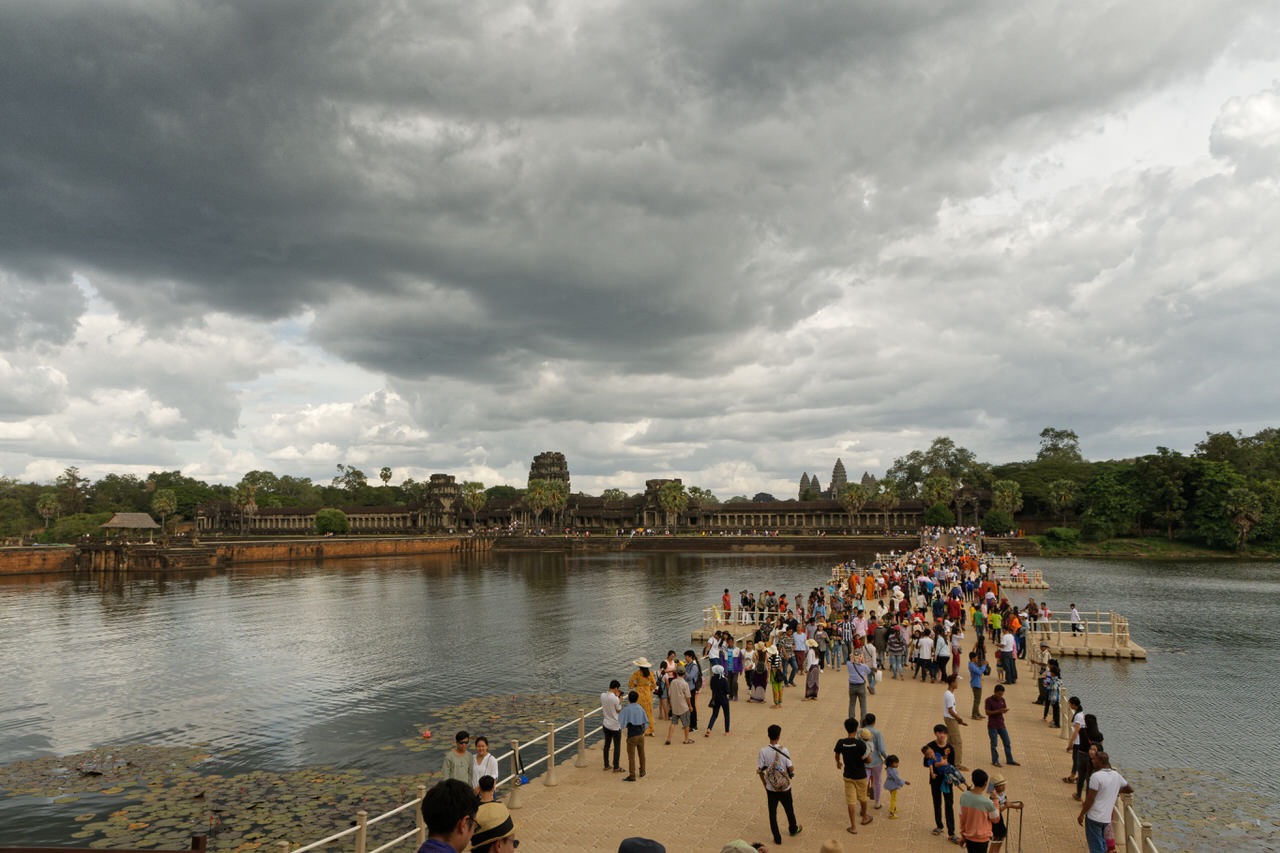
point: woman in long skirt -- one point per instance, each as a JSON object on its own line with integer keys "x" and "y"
{"x": 759, "y": 676}
{"x": 812, "y": 671}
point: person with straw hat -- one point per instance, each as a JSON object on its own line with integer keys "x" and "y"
{"x": 495, "y": 830}
{"x": 643, "y": 682}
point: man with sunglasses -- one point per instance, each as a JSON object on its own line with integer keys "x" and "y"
{"x": 457, "y": 761}
{"x": 449, "y": 810}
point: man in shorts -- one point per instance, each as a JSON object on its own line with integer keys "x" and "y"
{"x": 852, "y": 756}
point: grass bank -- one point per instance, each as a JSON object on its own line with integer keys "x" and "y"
{"x": 1148, "y": 548}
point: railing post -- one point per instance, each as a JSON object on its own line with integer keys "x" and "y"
{"x": 282, "y": 846}
{"x": 1120, "y": 820}
{"x": 550, "y": 780}
{"x": 362, "y": 830}
{"x": 582, "y": 739}
{"x": 418, "y": 819}
{"x": 513, "y": 798}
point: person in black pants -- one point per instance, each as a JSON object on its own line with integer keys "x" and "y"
{"x": 941, "y": 798}
{"x": 775, "y": 770}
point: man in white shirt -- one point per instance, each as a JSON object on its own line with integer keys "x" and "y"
{"x": 952, "y": 718}
{"x": 610, "y": 705}
{"x": 1105, "y": 785}
{"x": 1009, "y": 655}
{"x": 1076, "y": 626}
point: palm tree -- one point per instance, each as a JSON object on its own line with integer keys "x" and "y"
{"x": 48, "y": 506}
{"x": 558, "y": 500}
{"x": 889, "y": 500}
{"x": 473, "y": 498}
{"x": 674, "y": 500}
{"x": 164, "y": 503}
{"x": 385, "y": 476}
{"x": 853, "y": 498}
{"x": 1006, "y": 496}
{"x": 1063, "y": 495}
{"x": 537, "y": 498}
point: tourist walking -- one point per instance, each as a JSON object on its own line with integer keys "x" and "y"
{"x": 939, "y": 788}
{"x": 636, "y": 721}
{"x": 1105, "y": 785}
{"x": 719, "y": 699}
{"x": 896, "y": 649}
{"x": 1078, "y": 753}
{"x": 681, "y": 699}
{"x": 610, "y": 707}
{"x": 893, "y": 783}
{"x": 979, "y": 814}
{"x": 875, "y": 766}
{"x": 775, "y": 769}
{"x": 951, "y": 717}
{"x": 996, "y": 707}
{"x": 733, "y": 666}
{"x": 776, "y": 680}
{"x": 1001, "y": 829}
{"x": 852, "y": 755}
{"x": 812, "y": 671}
{"x": 858, "y": 674}
{"x": 1053, "y": 695}
{"x": 644, "y": 684}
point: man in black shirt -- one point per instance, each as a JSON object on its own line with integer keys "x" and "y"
{"x": 852, "y": 755}
{"x": 941, "y": 747}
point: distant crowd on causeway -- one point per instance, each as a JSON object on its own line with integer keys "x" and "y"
{"x": 931, "y": 614}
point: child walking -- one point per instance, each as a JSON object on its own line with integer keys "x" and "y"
{"x": 892, "y": 782}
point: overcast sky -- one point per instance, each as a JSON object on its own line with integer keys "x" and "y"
{"x": 724, "y": 241}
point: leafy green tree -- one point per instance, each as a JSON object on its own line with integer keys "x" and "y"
{"x": 1059, "y": 444}
{"x": 72, "y": 528}
{"x": 15, "y": 520}
{"x": 1111, "y": 502}
{"x": 939, "y": 515}
{"x": 473, "y": 498}
{"x": 702, "y": 496}
{"x": 853, "y": 498}
{"x": 73, "y": 490}
{"x": 1161, "y": 482}
{"x": 1210, "y": 514}
{"x": 331, "y": 520}
{"x": 1245, "y": 510}
{"x": 164, "y": 503}
{"x": 613, "y": 495}
{"x": 119, "y": 493}
{"x": 944, "y": 458}
{"x": 997, "y": 522}
{"x": 1063, "y": 493}
{"x": 350, "y": 478}
{"x": 763, "y": 498}
{"x": 674, "y": 501}
{"x": 501, "y": 493}
{"x": 48, "y": 506}
{"x": 191, "y": 493}
{"x": 1006, "y": 496}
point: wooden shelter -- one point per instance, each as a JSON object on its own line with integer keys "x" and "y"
{"x": 132, "y": 521}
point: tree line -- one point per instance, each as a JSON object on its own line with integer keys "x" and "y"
{"x": 1224, "y": 494}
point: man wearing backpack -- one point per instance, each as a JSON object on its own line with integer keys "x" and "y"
{"x": 775, "y": 770}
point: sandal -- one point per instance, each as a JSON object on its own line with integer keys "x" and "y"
{"x": 867, "y": 820}
{"x": 938, "y": 831}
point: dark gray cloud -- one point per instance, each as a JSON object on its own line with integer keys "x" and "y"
{"x": 665, "y": 231}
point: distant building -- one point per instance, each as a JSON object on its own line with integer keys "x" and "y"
{"x": 550, "y": 465}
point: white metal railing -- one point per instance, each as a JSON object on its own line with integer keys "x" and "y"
{"x": 358, "y": 833}
{"x": 1133, "y": 834}
{"x": 1098, "y": 630}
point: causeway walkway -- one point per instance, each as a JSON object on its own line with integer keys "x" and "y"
{"x": 697, "y": 797}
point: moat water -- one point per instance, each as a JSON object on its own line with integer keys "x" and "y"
{"x": 287, "y": 667}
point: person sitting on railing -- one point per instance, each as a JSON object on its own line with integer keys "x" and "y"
{"x": 449, "y": 810}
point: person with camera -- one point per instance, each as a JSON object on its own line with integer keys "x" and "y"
{"x": 776, "y": 771}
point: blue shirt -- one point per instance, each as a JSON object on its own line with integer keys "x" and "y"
{"x": 633, "y": 715}
{"x": 857, "y": 671}
{"x": 975, "y": 675}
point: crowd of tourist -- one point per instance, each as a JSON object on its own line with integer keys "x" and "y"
{"x": 934, "y": 614}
